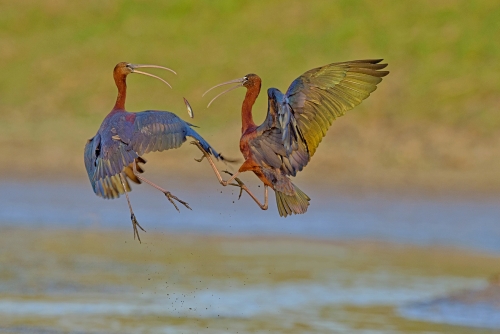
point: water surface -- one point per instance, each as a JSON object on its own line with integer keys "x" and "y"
{"x": 367, "y": 264}
{"x": 216, "y": 210}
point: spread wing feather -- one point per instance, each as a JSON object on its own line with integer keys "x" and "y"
{"x": 320, "y": 95}
{"x": 297, "y": 121}
{"x": 157, "y": 131}
{"x": 119, "y": 142}
{"x": 104, "y": 172}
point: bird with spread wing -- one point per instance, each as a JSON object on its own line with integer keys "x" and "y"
{"x": 113, "y": 156}
{"x": 296, "y": 123}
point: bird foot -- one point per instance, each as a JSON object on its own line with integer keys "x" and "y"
{"x": 197, "y": 143}
{"x": 135, "y": 224}
{"x": 238, "y": 184}
{"x": 171, "y": 198}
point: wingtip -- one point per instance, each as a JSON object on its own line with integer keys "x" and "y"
{"x": 369, "y": 61}
{"x": 383, "y": 73}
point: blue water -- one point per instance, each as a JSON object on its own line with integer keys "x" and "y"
{"x": 473, "y": 307}
{"x": 238, "y": 301}
{"x": 458, "y": 223}
{"x": 467, "y": 224}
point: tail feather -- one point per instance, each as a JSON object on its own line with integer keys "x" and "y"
{"x": 206, "y": 146}
{"x": 292, "y": 204}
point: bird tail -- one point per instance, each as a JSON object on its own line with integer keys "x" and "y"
{"x": 292, "y": 204}
{"x": 206, "y": 146}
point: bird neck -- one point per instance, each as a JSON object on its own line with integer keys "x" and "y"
{"x": 246, "y": 109}
{"x": 121, "y": 84}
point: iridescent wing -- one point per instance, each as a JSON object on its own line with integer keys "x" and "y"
{"x": 297, "y": 121}
{"x": 163, "y": 130}
{"x": 319, "y": 96}
{"x": 279, "y": 143}
{"x": 104, "y": 165}
{"x": 150, "y": 131}
{"x": 157, "y": 131}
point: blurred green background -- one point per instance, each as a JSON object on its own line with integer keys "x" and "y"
{"x": 430, "y": 127}
{"x": 432, "y": 124}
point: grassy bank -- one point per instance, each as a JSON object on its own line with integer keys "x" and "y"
{"x": 433, "y": 122}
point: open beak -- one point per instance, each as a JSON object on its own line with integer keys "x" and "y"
{"x": 240, "y": 82}
{"x": 133, "y": 68}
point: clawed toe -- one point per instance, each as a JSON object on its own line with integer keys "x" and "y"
{"x": 197, "y": 143}
{"x": 238, "y": 183}
{"x": 171, "y": 198}
{"x": 135, "y": 224}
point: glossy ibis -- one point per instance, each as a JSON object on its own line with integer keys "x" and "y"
{"x": 113, "y": 155}
{"x": 295, "y": 124}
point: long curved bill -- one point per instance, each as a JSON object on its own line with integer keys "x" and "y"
{"x": 239, "y": 82}
{"x": 134, "y": 66}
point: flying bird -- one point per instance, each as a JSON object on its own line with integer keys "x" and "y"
{"x": 113, "y": 155}
{"x": 295, "y": 124}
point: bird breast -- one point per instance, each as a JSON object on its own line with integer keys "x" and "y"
{"x": 245, "y": 143}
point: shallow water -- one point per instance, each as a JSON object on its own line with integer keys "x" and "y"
{"x": 421, "y": 221}
{"x": 69, "y": 264}
{"x": 473, "y": 307}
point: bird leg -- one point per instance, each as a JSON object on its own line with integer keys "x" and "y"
{"x": 240, "y": 183}
{"x": 168, "y": 194}
{"x": 211, "y": 162}
{"x": 233, "y": 177}
{"x": 244, "y": 187}
{"x": 135, "y": 223}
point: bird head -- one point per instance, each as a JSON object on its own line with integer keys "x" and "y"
{"x": 249, "y": 81}
{"x": 123, "y": 69}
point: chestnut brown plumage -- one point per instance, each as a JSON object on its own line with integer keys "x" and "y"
{"x": 296, "y": 123}
{"x": 113, "y": 155}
